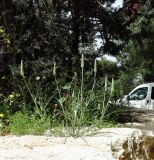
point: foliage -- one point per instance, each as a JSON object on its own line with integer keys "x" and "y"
{"x": 145, "y": 49}
{"x": 3, "y": 124}
{"x": 27, "y": 123}
{"x": 80, "y": 107}
{"x": 59, "y": 30}
{"x": 107, "y": 67}
{"x": 43, "y": 32}
{"x": 40, "y": 36}
{"x": 72, "y": 107}
{"x": 137, "y": 58}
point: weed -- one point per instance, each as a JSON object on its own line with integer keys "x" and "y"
{"x": 26, "y": 123}
{"x": 81, "y": 108}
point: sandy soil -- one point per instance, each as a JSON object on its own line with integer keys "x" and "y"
{"x": 45, "y": 148}
{"x": 58, "y": 148}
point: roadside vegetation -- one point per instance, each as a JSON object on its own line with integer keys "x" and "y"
{"x": 53, "y": 73}
{"x": 80, "y": 107}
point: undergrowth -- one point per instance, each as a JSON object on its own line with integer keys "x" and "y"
{"x": 73, "y": 109}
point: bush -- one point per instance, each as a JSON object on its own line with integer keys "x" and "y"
{"x": 24, "y": 123}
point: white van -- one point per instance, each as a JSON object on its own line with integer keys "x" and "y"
{"x": 141, "y": 97}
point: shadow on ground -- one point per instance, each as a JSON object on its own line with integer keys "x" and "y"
{"x": 138, "y": 118}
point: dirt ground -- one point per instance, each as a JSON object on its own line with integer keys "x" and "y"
{"x": 140, "y": 119}
{"x": 62, "y": 148}
{"x": 50, "y": 148}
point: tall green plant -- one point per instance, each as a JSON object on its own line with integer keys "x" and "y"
{"x": 40, "y": 106}
{"x": 82, "y": 106}
{"x": 79, "y": 107}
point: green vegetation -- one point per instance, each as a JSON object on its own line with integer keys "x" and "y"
{"x": 76, "y": 108}
{"x": 25, "y": 123}
{"x": 50, "y": 78}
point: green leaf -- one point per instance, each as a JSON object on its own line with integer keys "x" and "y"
{"x": 62, "y": 100}
{"x": 67, "y": 87}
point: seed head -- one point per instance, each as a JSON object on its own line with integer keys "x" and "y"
{"x": 22, "y": 69}
{"x": 82, "y": 61}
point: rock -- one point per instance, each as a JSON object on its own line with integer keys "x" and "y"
{"x": 129, "y": 147}
{"x": 149, "y": 147}
{"x": 108, "y": 144}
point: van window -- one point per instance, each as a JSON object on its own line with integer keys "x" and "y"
{"x": 152, "y": 93}
{"x": 139, "y": 94}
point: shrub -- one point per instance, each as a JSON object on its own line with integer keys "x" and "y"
{"x": 25, "y": 123}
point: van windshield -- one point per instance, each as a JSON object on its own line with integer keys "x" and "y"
{"x": 139, "y": 94}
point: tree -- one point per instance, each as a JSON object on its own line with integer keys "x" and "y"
{"x": 59, "y": 30}
{"x": 73, "y": 22}
{"x": 140, "y": 49}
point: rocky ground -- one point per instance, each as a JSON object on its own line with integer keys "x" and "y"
{"x": 108, "y": 144}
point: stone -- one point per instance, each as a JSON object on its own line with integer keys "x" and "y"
{"x": 149, "y": 147}
{"x": 107, "y": 144}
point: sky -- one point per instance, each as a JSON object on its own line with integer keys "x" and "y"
{"x": 118, "y": 3}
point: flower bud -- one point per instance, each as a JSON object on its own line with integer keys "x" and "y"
{"x": 38, "y": 78}
{"x": 82, "y": 61}
{"x": 11, "y": 96}
{"x": 95, "y": 66}
{"x": 75, "y": 113}
{"x": 112, "y": 86}
{"x": 22, "y": 69}
{"x": 1, "y": 115}
{"x": 54, "y": 69}
{"x": 106, "y": 82}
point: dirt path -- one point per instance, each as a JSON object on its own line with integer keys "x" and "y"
{"x": 140, "y": 119}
